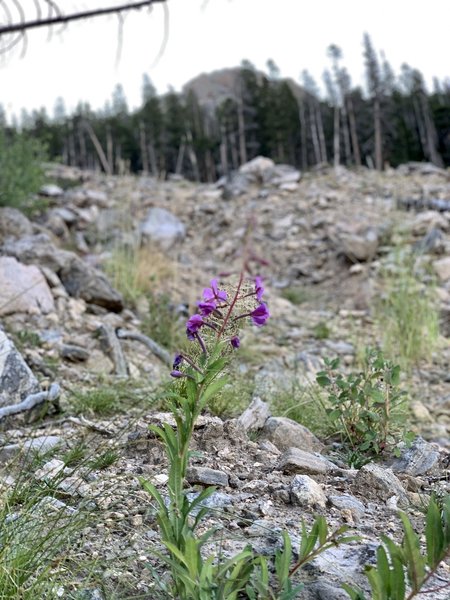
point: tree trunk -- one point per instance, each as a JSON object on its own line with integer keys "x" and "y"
{"x": 378, "y": 140}
{"x": 241, "y": 126}
{"x": 180, "y": 158}
{"x": 336, "y": 138}
{"x": 303, "y": 149}
{"x": 224, "y": 150}
{"x": 353, "y": 132}
{"x": 192, "y": 155}
{"x": 109, "y": 147}
{"x": 98, "y": 148}
{"x": 323, "y": 146}
{"x": 234, "y": 152}
{"x": 153, "y": 160}
{"x": 430, "y": 132}
{"x": 315, "y": 137}
{"x": 82, "y": 145}
{"x": 346, "y": 134}
{"x": 144, "y": 150}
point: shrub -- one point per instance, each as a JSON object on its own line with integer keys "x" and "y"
{"x": 21, "y": 173}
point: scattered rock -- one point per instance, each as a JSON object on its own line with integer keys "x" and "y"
{"x": 162, "y": 227}
{"x": 206, "y": 476}
{"x": 295, "y": 460}
{"x": 348, "y": 502}
{"x": 255, "y": 415}
{"x": 286, "y": 433}
{"x": 442, "y": 268}
{"x": 16, "y": 378}
{"x": 359, "y": 246}
{"x": 379, "y": 483}
{"x": 420, "y": 458}
{"x": 305, "y": 492}
{"x": 51, "y": 190}
{"x": 23, "y": 289}
{"x": 74, "y": 353}
{"x": 13, "y": 224}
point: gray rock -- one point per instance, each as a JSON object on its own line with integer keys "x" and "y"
{"x": 23, "y": 289}
{"x": 295, "y": 460}
{"x": 13, "y": 224}
{"x": 257, "y": 168}
{"x": 281, "y": 175}
{"x": 74, "y": 353}
{"x": 43, "y": 444}
{"x": 217, "y": 500}
{"x": 83, "y": 281}
{"x": 80, "y": 279}
{"x": 255, "y": 415}
{"x": 286, "y": 433}
{"x": 348, "y": 502}
{"x": 16, "y": 379}
{"x": 420, "y": 458}
{"x": 442, "y": 268}
{"x": 304, "y": 491}
{"x": 340, "y": 347}
{"x": 51, "y": 190}
{"x": 162, "y": 227}
{"x": 51, "y": 469}
{"x": 206, "y": 476}
{"x": 323, "y": 590}
{"x": 377, "y": 483}
{"x": 360, "y": 246}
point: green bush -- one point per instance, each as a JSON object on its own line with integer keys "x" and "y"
{"x": 21, "y": 173}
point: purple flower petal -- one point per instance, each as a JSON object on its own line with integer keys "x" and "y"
{"x": 193, "y": 325}
{"x": 235, "y": 341}
{"x": 259, "y": 289}
{"x": 177, "y": 360}
{"x": 260, "y": 315}
{"x": 206, "y": 308}
{"x": 213, "y": 293}
{"x": 176, "y": 373}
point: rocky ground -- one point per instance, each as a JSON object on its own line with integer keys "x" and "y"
{"x": 324, "y": 239}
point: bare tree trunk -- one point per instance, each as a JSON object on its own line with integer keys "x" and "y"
{"x": 98, "y": 148}
{"x": 234, "y": 152}
{"x": 110, "y": 147}
{"x": 378, "y": 140}
{"x": 314, "y": 135}
{"x": 430, "y": 133}
{"x": 153, "y": 160}
{"x": 336, "y": 138}
{"x": 346, "y": 134}
{"x": 353, "y": 132}
{"x": 72, "y": 151}
{"x": 241, "y": 126}
{"x": 192, "y": 155}
{"x": 82, "y": 145}
{"x": 144, "y": 151}
{"x": 180, "y": 158}
{"x": 223, "y": 150}
{"x": 323, "y": 146}
{"x": 303, "y": 149}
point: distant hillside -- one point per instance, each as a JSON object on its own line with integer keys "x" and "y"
{"x": 213, "y": 88}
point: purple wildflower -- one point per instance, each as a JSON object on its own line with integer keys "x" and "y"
{"x": 176, "y": 373}
{"x": 177, "y": 361}
{"x": 235, "y": 342}
{"x": 213, "y": 292}
{"x": 260, "y": 315}
{"x": 206, "y": 308}
{"x": 193, "y": 325}
{"x": 259, "y": 290}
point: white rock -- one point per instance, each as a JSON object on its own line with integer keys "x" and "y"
{"x": 23, "y": 289}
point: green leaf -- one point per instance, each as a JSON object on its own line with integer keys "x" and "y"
{"x": 283, "y": 559}
{"x": 434, "y": 535}
{"x": 354, "y": 594}
{"x": 411, "y": 546}
{"x": 212, "y": 389}
{"x": 323, "y": 380}
{"x": 376, "y": 584}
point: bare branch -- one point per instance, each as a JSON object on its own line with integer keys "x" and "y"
{"x": 24, "y": 25}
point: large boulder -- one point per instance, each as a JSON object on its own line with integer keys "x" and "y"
{"x": 80, "y": 279}
{"x": 162, "y": 227}
{"x": 23, "y": 289}
{"x": 13, "y": 224}
{"x": 16, "y": 378}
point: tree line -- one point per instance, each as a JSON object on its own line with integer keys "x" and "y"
{"x": 393, "y": 121}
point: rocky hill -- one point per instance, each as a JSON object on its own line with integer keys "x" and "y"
{"x": 95, "y": 291}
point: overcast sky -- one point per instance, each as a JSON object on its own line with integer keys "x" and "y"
{"x": 79, "y": 63}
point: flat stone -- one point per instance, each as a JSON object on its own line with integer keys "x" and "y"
{"x": 377, "y": 483}
{"x": 50, "y": 470}
{"x": 255, "y": 415}
{"x": 295, "y": 460}
{"x": 442, "y": 268}
{"x": 162, "y": 227}
{"x": 306, "y": 492}
{"x": 43, "y": 444}
{"x": 16, "y": 378}
{"x": 286, "y": 433}
{"x": 74, "y": 353}
{"x": 348, "y": 502}
{"x": 23, "y": 289}
{"x": 51, "y": 190}
{"x": 206, "y": 476}
{"x": 420, "y": 458}
{"x": 13, "y": 223}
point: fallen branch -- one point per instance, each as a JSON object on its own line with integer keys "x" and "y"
{"x": 112, "y": 345}
{"x": 31, "y": 401}
{"x": 83, "y": 422}
{"x": 157, "y": 350}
